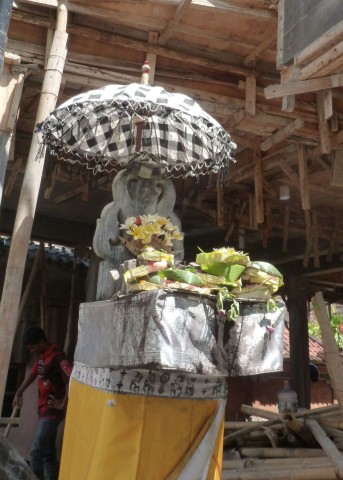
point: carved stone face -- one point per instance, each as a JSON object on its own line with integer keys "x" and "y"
{"x": 145, "y": 193}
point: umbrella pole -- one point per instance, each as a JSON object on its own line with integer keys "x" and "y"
{"x": 28, "y": 198}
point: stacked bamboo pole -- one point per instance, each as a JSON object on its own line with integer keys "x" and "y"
{"x": 301, "y": 446}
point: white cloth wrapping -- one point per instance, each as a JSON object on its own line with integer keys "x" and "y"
{"x": 180, "y": 331}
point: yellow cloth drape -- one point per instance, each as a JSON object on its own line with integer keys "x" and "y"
{"x": 111, "y": 436}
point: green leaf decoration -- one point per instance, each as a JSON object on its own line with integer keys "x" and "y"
{"x": 265, "y": 267}
{"x": 271, "y": 305}
{"x": 212, "y": 280}
{"x": 231, "y": 273}
{"x": 155, "y": 278}
{"x": 223, "y": 255}
{"x": 183, "y": 276}
{"x": 233, "y": 312}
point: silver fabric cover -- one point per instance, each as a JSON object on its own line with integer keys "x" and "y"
{"x": 180, "y": 331}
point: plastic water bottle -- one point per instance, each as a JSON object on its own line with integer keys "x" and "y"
{"x": 287, "y": 399}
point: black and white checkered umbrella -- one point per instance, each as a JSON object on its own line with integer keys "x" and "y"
{"x": 106, "y": 128}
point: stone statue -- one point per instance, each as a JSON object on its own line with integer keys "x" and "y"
{"x": 133, "y": 195}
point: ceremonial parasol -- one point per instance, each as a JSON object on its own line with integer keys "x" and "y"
{"x": 106, "y": 128}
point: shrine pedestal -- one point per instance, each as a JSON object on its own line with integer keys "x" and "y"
{"x": 148, "y": 389}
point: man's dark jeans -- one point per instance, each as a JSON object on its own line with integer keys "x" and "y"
{"x": 43, "y": 456}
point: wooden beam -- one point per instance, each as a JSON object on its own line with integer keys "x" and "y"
{"x": 334, "y": 240}
{"x": 80, "y": 190}
{"x": 19, "y": 73}
{"x": 298, "y": 337}
{"x": 140, "y": 46}
{"x": 150, "y": 57}
{"x": 17, "y": 168}
{"x": 250, "y": 95}
{"x": 196, "y": 4}
{"x": 269, "y": 188}
{"x": 236, "y": 119}
{"x": 191, "y": 56}
{"x": 321, "y": 44}
{"x": 334, "y": 123}
{"x": 252, "y": 212}
{"x": 12, "y": 58}
{"x": 180, "y": 10}
{"x": 290, "y": 173}
{"x": 267, "y": 224}
{"x": 258, "y": 178}
{"x": 330, "y": 56}
{"x": 304, "y": 180}
{"x": 220, "y": 203}
{"x": 315, "y": 243}
{"x": 337, "y": 169}
{"x": 285, "y": 231}
{"x": 282, "y": 134}
{"x": 323, "y": 126}
{"x": 335, "y": 140}
{"x": 288, "y": 75}
{"x": 327, "y": 103}
{"x": 309, "y": 244}
{"x": 304, "y": 86}
{"x": 269, "y": 162}
{"x": 268, "y": 42}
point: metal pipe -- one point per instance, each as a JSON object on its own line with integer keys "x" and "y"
{"x": 5, "y": 15}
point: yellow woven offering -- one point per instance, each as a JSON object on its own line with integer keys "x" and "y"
{"x": 223, "y": 255}
{"x": 152, "y": 255}
{"x": 141, "y": 286}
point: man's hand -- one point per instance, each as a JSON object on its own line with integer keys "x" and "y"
{"x": 18, "y": 400}
{"x": 56, "y": 404}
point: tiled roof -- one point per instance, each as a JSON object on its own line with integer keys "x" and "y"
{"x": 53, "y": 252}
{"x": 316, "y": 350}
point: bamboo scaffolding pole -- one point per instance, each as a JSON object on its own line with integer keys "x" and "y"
{"x": 228, "y": 439}
{"x": 250, "y": 466}
{"x": 238, "y": 425}
{"x": 327, "y": 445}
{"x": 325, "y": 423}
{"x": 68, "y": 337}
{"x": 9, "y": 426}
{"x": 335, "y": 415}
{"x": 299, "y": 428}
{"x": 276, "y": 431}
{"x": 275, "y": 462}
{"x": 28, "y": 198}
{"x": 41, "y": 254}
{"x": 9, "y": 421}
{"x": 28, "y": 287}
{"x": 259, "y": 412}
{"x": 281, "y": 452}
{"x": 332, "y": 357}
{"x": 324, "y": 473}
{"x": 333, "y": 432}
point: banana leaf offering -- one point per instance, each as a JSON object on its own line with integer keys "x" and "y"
{"x": 225, "y": 263}
{"x": 150, "y": 254}
{"x": 224, "y": 273}
{"x": 263, "y": 273}
{"x": 223, "y": 255}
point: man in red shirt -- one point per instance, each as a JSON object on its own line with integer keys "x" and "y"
{"x": 52, "y": 369}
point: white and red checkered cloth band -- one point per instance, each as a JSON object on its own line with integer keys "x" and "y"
{"x": 99, "y": 129}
